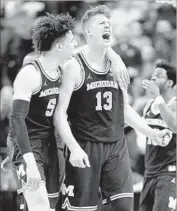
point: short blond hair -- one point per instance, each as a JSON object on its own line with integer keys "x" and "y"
{"x": 99, "y": 9}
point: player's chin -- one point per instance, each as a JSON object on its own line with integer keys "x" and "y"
{"x": 106, "y": 43}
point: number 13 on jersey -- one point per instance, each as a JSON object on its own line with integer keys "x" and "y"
{"x": 108, "y": 98}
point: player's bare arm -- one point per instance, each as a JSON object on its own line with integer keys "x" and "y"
{"x": 118, "y": 68}
{"x": 26, "y": 83}
{"x": 70, "y": 78}
{"x": 133, "y": 119}
{"x": 168, "y": 114}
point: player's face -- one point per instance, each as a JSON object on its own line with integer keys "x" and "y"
{"x": 159, "y": 76}
{"x": 68, "y": 45}
{"x": 100, "y": 30}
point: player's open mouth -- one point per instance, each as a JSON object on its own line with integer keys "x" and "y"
{"x": 106, "y": 36}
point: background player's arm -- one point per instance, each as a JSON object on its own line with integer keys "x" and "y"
{"x": 70, "y": 77}
{"x": 168, "y": 114}
{"x": 133, "y": 119}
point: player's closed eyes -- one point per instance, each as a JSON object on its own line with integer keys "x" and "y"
{"x": 101, "y": 23}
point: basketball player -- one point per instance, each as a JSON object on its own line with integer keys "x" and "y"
{"x": 36, "y": 90}
{"x": 159, "y": 190}
{"x": 94, "y": 105}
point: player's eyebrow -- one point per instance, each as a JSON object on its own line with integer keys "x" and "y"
{"x": 157, "y": 74}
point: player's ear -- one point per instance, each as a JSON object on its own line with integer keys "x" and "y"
{"x": 59, "y": 46}
{"x": 170, "y": 83}
{"x": 87, "y": 32}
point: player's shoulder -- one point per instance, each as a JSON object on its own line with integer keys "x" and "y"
{"x": 28, "y": 74}
{"x": 28, "y": 70}
{"x": 72, "y": 66}
{"x": 72, "y": 72}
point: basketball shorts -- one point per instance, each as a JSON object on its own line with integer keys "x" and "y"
{"x": 45, "y": 153}
{"x": 110, "y": 173}
{"x": 159, "y": 194}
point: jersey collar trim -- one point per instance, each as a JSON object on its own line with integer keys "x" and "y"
{"x": 95, "y": 71}
{"x": 43, "y": 71}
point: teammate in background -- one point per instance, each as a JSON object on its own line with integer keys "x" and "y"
{"x": 159, "y": 190}
{"x": 93, "y": 102}
{"x": 36, "y": 90}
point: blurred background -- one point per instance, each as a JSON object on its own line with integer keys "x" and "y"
{"x": 143, "y": 31}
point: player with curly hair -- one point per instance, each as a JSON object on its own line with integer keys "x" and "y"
{"x": 36, "y": 90}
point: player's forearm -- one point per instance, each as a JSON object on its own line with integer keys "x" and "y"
{"x": 17, "y": 120}
{"x": 63, "y": 128}
{"x": 133, "y": 119}
{"x": 168, "y": 116}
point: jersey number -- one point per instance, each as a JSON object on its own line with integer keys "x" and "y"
{"x": 51, "y": 107}
{"x": 152, "y": 142}
{"x": 108, "y": 105}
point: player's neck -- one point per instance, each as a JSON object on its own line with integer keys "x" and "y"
{"x": 168, "y": 95}
{"x": 49, "y": 63}
{"x": 94, "y": 54}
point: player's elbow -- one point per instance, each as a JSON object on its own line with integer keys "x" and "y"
{"x": 59, "y": 116}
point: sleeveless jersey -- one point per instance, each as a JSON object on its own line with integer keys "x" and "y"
{"x": 39, "y": 120}
{"x": 159, "y": 160}
{"x": 96, "y": 111}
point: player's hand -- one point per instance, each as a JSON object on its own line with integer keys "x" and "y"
{"x": 118, "y": 68}
{"x": 33, "y": 175}
{"x": 163, "y": 137}
{"x": 78, "y": 158}
{"x": 151, "y": 87}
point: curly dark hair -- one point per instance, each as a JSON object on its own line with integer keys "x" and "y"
{"x": 170, "y": 70}
{"x": 49, "y": 28}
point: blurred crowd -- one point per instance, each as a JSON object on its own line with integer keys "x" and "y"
{"x": 143, "y": 31}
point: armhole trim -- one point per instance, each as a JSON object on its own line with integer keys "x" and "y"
{"x": 35, "y": 64}
{"x": 147, "y": 106}
{"x": 79, "y": 85}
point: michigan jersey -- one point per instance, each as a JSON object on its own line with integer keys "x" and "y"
{"x": 96, "y": 111}
{"x": 159, "y": 160}
{"x": 39, "y": 120}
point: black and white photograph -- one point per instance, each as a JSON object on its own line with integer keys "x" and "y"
{"x": 88, "y": 105}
